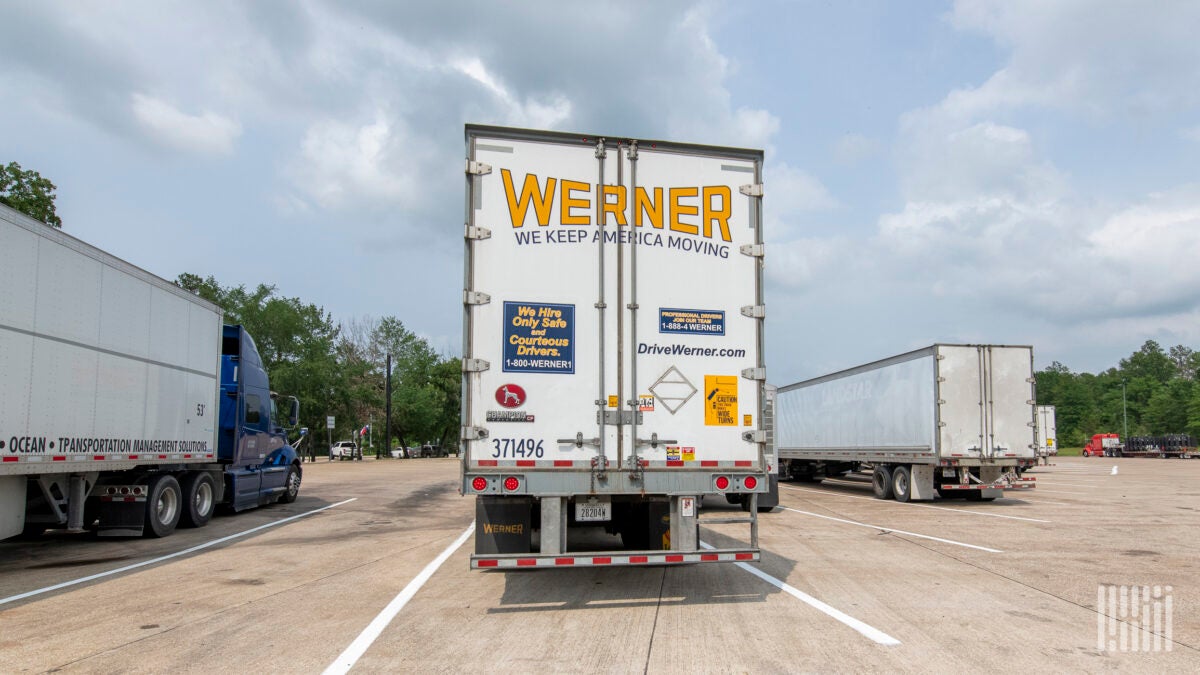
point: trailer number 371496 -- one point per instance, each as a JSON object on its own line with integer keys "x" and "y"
{"x": 503, "y": 448}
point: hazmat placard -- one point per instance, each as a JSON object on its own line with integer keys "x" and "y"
{"x": 720, "y": 400}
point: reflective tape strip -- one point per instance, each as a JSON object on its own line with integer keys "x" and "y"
{"x": 664, "y": 558}
{"x": 587, "y": 464}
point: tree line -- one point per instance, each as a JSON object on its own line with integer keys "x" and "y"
{"x": 1151, "y": 393}
{"x": 339, "y": 370}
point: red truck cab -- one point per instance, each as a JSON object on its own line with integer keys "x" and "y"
{"x": 1103, "y": 445}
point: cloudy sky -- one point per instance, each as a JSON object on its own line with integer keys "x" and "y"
{"x": 1004, "y": 171}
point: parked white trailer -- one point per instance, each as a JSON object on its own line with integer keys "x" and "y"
{"x": 612, "y": 345}
{"x": 125, "y": 401}
{"x": 943, "y": 419}
{"x": 1047, "y": 431}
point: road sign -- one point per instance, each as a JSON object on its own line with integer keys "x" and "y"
{"x": 329, "y": 422}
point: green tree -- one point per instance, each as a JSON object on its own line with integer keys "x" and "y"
{"x": 1167, "y": 409}
{"x": 297, "y": 344}
{"x": 29, "y": 193}
{"x": 1149, "y": 362}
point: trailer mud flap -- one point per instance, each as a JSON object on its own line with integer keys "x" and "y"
{"x": 122, "y": 519}
{"x": 503, "y": 524}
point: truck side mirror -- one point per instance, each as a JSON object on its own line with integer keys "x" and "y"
{"x": 294, "y": 411}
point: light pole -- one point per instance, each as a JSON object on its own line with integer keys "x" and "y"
{"x": 1124, "y": 417}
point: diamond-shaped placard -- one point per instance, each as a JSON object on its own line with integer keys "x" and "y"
{"x": 673, "y": 389}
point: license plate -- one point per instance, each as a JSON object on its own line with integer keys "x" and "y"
{"x": 590, "y": 512}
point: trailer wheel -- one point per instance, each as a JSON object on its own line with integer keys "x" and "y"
{"x": 163, "y": 506}
{"x": 291, "y": 486}
{"x": 881, "y": 482}
{"x": 902, "y": 483}
{"x": 199, "y": 499}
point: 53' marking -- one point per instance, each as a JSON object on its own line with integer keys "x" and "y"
{"x": 504, "y": 448}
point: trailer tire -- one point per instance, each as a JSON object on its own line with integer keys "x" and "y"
{"x": 199, "y": 499}
{"x": 881, "y": 482}
{"x": 902, "y": 483}
{"x": 163, "y": 505}
{"x": 291, "y": 486}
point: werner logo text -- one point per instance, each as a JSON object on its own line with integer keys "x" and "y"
{"x": 698, "y": 211}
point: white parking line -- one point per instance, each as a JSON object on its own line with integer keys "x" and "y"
{"x": 144, "y": 563}
{"x": 1056, "y": 483}
{"x": 1060, "y": 492}
{"x": 870, "y": 632}
{"x": 346, "y": 660}
{"x": 892, "y": 529}
{"x": 923, "y": 506}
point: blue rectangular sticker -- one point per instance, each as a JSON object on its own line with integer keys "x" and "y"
{"x": 539, "y": 338}
{"x": 691, "y": 321}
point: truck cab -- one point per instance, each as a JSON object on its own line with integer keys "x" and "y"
{"x": 1103, "y": 445}
{"x": 252, "y": 438}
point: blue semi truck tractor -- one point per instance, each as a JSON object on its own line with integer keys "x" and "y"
{"x": 127, "y": 405}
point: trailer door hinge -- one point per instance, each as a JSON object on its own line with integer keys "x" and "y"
{"x": 601, "y": 150}
{"x": 474, "y": 433}
{"x": 475, "y": 365}
{"x": 755, "y": 311}
{"x": 752, "y": 250}
{"x": 476, "y": 298}
{"x": 753, "y": 190}
{"x": 478, "y": 168}
{"x": 1030, "y": 402}
{"x": 478, "y": 233}
{"x": 755, "y": 373}
{"x": 1031, "y": 380}
{"x": 756, "y": 436}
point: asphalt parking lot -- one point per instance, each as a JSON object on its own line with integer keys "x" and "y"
{"x": 367, "y": 572}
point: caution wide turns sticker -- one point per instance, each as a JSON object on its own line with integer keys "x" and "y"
{"x": 720, "y": 400}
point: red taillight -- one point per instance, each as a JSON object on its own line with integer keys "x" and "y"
{"x": 511, "y": 483}
{"x": 479, "y": 484}
{"x": 722, "y": 483}
{"x": 750, "y": 482}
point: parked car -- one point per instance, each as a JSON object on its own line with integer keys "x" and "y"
{"x": 429, "y": 450}
{"x": 344, "y": 450}
{"x": 401, "y": 452}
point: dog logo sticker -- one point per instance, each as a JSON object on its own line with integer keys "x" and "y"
{"x": 510, "y": 396}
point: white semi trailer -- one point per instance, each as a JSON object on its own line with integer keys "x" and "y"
{"x": 1047, "y": 432}
{"x": 946, "y": 419}
{"x": 612, "y": 346}
{"x": 127, "y": 405}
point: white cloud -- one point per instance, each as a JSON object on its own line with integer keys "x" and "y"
{"x": 799, "y": 264}
{"x": 1105, "y": 58}
{"x": 342, "y": 164}
{"x": 1191, "y": 134}
{"x": 546, "y": 112}
{"x": 205, "y": 134}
